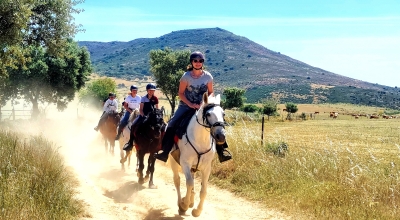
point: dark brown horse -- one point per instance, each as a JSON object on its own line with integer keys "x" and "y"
{"x": 109, "y": 131}
{"x": 148, "y": 141}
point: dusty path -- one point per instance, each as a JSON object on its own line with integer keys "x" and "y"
{"x": 110, "y": 193}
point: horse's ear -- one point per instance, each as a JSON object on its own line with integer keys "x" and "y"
{"x": 217, "y": 100}
{"x": 205, "y": 98}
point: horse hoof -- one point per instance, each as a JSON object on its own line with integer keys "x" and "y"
{"x": 122, "y": 160}
{"x": 141, "y": 181}
{"x": 191, "y": 205}
{"x": 146, "y": 179}
{"x": 152, "y": 186}
{"x": 181, "y": 209}
{"x": 196, "y": 212}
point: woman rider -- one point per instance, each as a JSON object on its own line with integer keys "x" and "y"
{"x": 147, "y": 104}
{"x": 193, "y": 84}
{"x": 132, "y": 102}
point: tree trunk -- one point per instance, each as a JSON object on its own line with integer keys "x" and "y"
{"x": 35, "y": 109}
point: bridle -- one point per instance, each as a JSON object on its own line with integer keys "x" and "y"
{"x": 206, "y": 124}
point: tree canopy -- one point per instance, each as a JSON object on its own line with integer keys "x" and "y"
{"x": 26, "y": 23}
{"x": 168, "y": 67}
{"x": 47, "y": 78}
{"x": 269, "y": 107}
{"x": 96, "y": 91}
{"x": 290, "y": 108}
{"x": 233, "y": 97}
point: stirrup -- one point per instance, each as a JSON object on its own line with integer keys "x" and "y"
{"x": 162, "y": 156}
{"x": 127, "y": 147}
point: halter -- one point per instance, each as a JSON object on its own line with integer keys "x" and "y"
{"x": 207, "y": 125}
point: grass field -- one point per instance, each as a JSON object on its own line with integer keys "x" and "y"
{"x": 341, "y": 168}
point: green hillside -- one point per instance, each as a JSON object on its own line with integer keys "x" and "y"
{"x": 236, "y": 61}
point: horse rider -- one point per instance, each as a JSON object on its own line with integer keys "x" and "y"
{"x": 193, "y": 84}
{"x": 147, "y": 104}
{"x": 132, "y": 102}
{"x": 110, "y": 106}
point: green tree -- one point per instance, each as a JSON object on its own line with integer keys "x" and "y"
{"x": 168, "y": 67}
{"x": 233, "y": 97}
{"x": 250, "y": 108}
{"x": 25, "y": 23}
{"x": 51, "y": 79}
{"x": 269, "y": 108}
{"x": 291, "y": 108}
{"x": 95, "y": 92}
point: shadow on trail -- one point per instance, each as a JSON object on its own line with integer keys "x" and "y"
{"x": 155, "y": 214}
{"x": 114, "y": 175}
{"x": 124, "y": 193}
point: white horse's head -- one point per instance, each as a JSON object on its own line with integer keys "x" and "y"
{"x": 213, "y": 116}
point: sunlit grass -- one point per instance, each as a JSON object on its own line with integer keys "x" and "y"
{"x": 334, "y": 169}
{"x": 34, "y": 183}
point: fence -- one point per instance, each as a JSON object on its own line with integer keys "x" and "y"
{"x": 14, "y": 114}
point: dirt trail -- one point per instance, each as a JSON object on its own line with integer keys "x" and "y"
{"x": 110, "y": 193}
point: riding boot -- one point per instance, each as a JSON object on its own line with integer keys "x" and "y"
{"x": 128, "y": 146}
{"x": 167, "y": 144}
{"x": 120, "y": 129}
{"x": 223, "y": 153}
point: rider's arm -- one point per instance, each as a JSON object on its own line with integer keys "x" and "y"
{"x": 141, "y": 109}
{"x": 210, "y": 88}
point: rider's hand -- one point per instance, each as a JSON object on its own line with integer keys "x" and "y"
{"x": 195, "y": 106}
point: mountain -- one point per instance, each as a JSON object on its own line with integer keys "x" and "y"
{"x": 236, "y": 61}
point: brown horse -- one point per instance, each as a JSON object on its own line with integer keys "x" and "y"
{"x": 109, "y": 131}
{"x": 148, "y": 141}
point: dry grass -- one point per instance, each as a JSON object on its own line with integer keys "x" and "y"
{"x": 34, "y": 183}
{"x": 335, "y": 169}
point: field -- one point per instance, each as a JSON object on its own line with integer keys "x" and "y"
{"x": 321, "y": 168}
{"x": 342, "y": 168}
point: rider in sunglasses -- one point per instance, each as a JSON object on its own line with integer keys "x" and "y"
{"x": 193, "y": 84}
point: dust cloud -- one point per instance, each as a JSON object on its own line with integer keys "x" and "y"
{"x": 112, "y": 193}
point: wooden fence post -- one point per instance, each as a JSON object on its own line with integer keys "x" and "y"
{"x": 262, "y": 131}
{"x": 13, "y": 113}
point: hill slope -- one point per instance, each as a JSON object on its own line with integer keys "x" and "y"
{"x": 236, "y": 61}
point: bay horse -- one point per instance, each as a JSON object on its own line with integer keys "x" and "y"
{"x": 148, "y": 138}
{"x": 109, "y": 131}
{"x": 125, "y": 138}
{"x": 196, "y": 151}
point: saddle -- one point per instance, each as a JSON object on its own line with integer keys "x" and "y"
{"x": 183, "y": 123}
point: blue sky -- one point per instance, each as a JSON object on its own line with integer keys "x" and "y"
{"x": 355, "y": 38}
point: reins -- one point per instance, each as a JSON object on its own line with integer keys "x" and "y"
{"x": 208, "y": 125}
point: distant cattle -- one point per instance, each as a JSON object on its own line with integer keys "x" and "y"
{"x": 356, "y": 117}
{"x": 335, "y": 115}
{"x": 387, "y": 117}
{"x": 316, "y": 112}
{"x": 374, "y": 116}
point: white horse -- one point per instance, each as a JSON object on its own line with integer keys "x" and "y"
{"x": 125, "y": 138}
{"x": 196, "y": 151}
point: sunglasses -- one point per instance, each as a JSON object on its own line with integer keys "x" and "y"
{"x": 198, "y": 61}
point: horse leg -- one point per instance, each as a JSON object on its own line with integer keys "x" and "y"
{"x": 203, "y": 192}
{"x": 140, "y": 158}
{"x": 106, "y": 145}
{"x": 184, "y": 204}
{"x": 177, "y": 182}
{"x": 151, "y": 168}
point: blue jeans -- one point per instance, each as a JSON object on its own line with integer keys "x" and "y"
{"x": 182, "y": 109}
{"x": 124, "y": 120}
